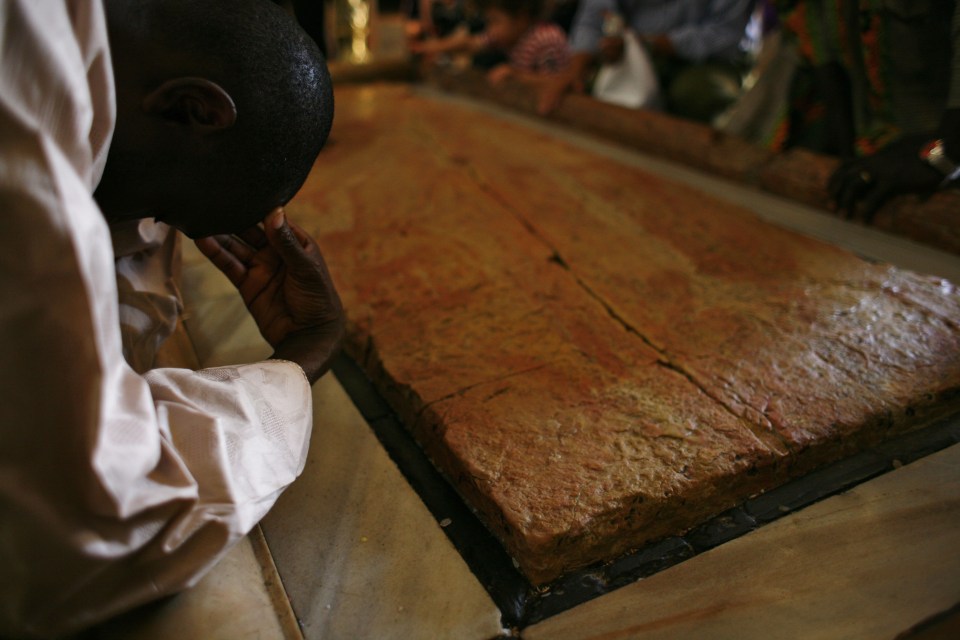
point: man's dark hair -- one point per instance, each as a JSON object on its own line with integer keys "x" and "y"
{"x": 278, "y": 80}
{"x": 514, "y": 8}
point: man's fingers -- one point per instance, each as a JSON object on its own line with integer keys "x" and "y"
{"x": 288, "y": 242}
{"x": 611, "y": 49}
{"x": 254, "y": 236}
{"x": 873, "y": 202}
{"x": 311, "y": 250}
{"x": 237, "y": 247}
{"x": 279, "y": 233}
{"x": 551, "y": 93}
{"x": 222, "y": 259}
{"x": 850, "y": 199}
{"x": 840, "y": 194}
{"x": 851, "y": 187}
{"x": 302, "y": 236}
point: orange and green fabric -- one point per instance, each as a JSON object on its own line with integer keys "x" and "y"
{"x": 896, "y": 53}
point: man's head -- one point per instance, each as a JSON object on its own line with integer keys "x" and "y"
{"x": 222, "y": 107}
{"x": 507, "y": 20}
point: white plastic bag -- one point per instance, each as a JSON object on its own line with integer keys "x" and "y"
{"x": 632, "y": 82}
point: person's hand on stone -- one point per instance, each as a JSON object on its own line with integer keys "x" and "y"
{"x": 862, "y": 186}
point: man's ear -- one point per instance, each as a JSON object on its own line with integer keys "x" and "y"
{"x": 198, "y": 103}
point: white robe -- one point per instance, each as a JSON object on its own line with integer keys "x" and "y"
{"x": 115, "y": 488}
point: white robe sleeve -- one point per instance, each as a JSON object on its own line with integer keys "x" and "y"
{"x": 147, "y": 261}
{"x": 115, "y": 488}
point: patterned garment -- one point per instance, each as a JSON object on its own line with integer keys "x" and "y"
{"x": 897, "y": 55}
{"x": 542, "y": 49}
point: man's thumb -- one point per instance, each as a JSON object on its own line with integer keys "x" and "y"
{"x": 281, "y": 236}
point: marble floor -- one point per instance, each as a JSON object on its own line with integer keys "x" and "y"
{"x": 350, "y": 551}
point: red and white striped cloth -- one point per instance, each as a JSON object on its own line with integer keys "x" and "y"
{"x": 542, "y": 49}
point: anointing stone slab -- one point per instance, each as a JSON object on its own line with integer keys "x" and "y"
{"x": 596, "y": 357}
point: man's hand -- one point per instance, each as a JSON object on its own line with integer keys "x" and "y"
{"x": 280, "y": 273}
{"x": 551, "y": 91}
{"x": 611, "y": 49}
{"x": 871, "y": 181}
{"x": 499, "y": 74}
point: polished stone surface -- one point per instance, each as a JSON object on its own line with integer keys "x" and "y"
{"x": 232, "y": 601}
{"x": 595, "y": 356}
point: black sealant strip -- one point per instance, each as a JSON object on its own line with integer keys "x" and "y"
{"x": 520, "y": 603}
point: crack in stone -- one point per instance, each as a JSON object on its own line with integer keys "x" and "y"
{"x": 463, "y": 390}
{"x": 664, "y": 360}
{"x": 667, "y": 362}
{"x": 752, "y": 426}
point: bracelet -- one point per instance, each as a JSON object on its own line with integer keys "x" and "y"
{"x": 951, "y": 177}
